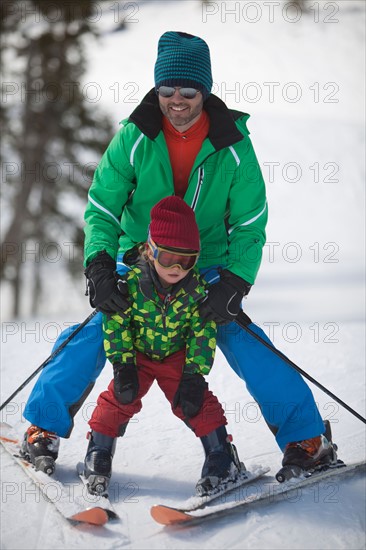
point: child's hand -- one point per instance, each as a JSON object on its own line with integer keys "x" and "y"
{"x": 126, "y": 383}
{"x": 190, "y": 393}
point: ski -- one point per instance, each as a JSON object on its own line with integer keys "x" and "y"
{"x": 266, "y": 493}
{"x": 72, "y": 500}
{"x": 197, "y": 502}
{"x": 293, "y": 471}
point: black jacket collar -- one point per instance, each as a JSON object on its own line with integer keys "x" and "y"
{"x": 223, "y": 131}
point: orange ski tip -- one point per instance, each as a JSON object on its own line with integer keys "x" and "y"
{"x": 8, "y": 439}
{"x": 168, "y": 516}
{"x": 94, "y": 516}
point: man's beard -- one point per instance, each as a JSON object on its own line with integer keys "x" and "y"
{"x": 181, "y": 118}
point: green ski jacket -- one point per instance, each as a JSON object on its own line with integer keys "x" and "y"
{"x": 159, "y": 327}
{"x": 226, "y": 189}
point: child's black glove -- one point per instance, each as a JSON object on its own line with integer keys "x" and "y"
{"x": 223, "y": 301}
{"x": 108, "y": 292}
{"x": 126, "y": 383}
{"x": 190, "y": 394}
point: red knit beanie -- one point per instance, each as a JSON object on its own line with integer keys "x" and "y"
{"x": 173, "y": 224}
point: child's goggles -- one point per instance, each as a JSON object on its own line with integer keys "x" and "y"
{"x": 169, "y": 258}
{"x": 169, "y": 91}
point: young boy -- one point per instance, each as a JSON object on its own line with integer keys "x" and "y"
{"x": 162, "y": 337}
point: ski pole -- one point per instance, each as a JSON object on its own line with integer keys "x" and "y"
{"x": 243, "y": 321}
{"x": 52, "y": 356}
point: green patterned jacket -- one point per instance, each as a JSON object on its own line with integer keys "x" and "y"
{"x": 158, "y": 328}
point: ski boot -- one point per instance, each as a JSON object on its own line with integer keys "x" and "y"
{"x": 309, "y": 455}
{"x": 222, "y": 465}
{"x": 40, "y": 448}
{"x": 98, "y": 462}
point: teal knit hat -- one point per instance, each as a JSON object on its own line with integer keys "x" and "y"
{"x": 183, "y": 60}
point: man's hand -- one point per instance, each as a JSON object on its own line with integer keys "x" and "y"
{"x": 108, "y": 292}
{"x": 126, "y": 383}
{"x": 190, "y": 393}
{"x": 223, "y": 301}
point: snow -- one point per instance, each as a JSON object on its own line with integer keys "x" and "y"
{"x": 309, "y": 295}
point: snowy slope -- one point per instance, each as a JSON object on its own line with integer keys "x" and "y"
{"x": 159, "y": 460}
{"x": 309, "y": 295}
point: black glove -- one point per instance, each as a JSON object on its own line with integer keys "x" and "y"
{"x": 126, "y": 383}
{"x": 108, "y": 292}
{"x": 223, "y": 301}
{"x": 189, "y": 394}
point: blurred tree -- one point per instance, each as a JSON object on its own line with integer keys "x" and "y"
{"x": 53, "y": 138}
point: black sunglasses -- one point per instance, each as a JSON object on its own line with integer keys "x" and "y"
{"x": 169, "y": 91}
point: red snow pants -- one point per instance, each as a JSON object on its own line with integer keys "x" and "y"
{"x": 109, "y": 415}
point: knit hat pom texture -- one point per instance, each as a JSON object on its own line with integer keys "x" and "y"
{"x": 173, "y": 224}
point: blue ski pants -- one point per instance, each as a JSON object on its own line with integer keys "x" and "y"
{"x": 282, "y": 396}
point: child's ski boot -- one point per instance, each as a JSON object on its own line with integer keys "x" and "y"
{"x": 221, "y": 466}
{"x": 98, "y": 462}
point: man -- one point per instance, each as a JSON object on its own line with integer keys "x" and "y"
{"x": 180, "y": 140}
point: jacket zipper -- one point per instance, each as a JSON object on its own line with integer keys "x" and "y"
{"x": 164, "y": 309}
{"x": 201, "y": 174}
